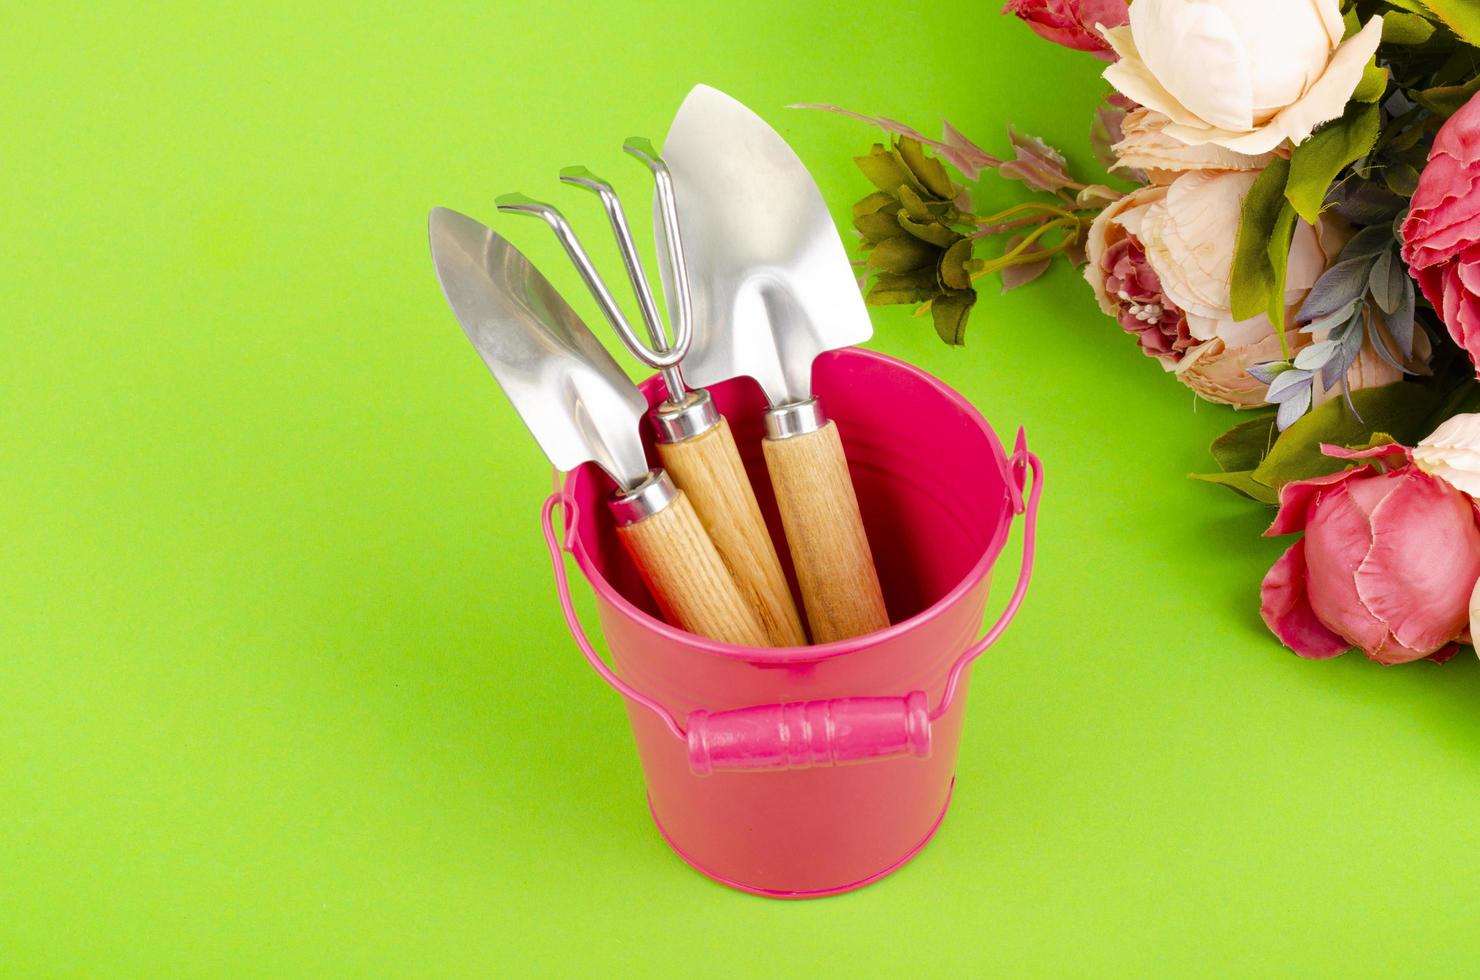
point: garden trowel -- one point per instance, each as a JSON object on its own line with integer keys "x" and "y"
{"x": 580, "y": 406}
{"x": 772, "y": 288}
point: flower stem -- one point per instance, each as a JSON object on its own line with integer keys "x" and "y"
{"x": 998, "y": 229}
{"x": 1019, "y": 209}
{"x": 1020, "y": 254}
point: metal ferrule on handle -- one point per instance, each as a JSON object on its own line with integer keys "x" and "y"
{"x": 677, "y": 421}
{"x": 652, "y": 495}
{"x": 693, "y": 442}
{"x": 816, "y": 733}
{"x": 796, "y": 419}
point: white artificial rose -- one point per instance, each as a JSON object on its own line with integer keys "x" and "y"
{"x": 1246, "y": 75}
{"x": 1452, "y": 453}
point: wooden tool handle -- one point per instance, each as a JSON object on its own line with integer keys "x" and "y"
{"x": 684, "y": 572}
{"x": 708, "y": 469}
{"x": 819, "y": 510}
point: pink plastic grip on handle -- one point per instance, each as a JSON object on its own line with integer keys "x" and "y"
{"x": 806, "y": 734}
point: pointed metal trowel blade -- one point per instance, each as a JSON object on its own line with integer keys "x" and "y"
{"x": 770, "y": 278}
{"x": 576, "y": 401}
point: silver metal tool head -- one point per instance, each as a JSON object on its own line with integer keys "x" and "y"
{"x": 669, "y": 237}
{"x": 663, "y": 350}
{"x": 516, "y": 203}
{"x": 576, "y": 401}
{"x": 769, "y": 277}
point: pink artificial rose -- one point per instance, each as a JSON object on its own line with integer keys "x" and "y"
{"x": 1441, "y": 235}
{"x": 1072, "y": 23}
{"x": 1388, "y": 562}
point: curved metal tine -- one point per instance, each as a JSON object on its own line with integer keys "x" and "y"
{"x": 522, "y": 204}
{"x": 642, "y": 148}
{"x": 582, "y": 177}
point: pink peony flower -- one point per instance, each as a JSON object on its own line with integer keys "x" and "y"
{"x": 1388, "y": 562}
{"x": 1441, "y": 235}
{"x": 1072, "y": 23}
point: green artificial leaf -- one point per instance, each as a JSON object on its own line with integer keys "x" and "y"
{"x": 1446, "y": 100}
{"x": 1468, "y": 403}
{"x": 1316, "y": 162}
{"x": 929, "y": 231}
{"x": 876, "y": 202}
{"x": 1387, "y": 279}
{"x": 1458, "y": 65}
{"x": 902, "y": 253}
{"x": 1244, "y": 446}
{"x": 927, "y": 170}
{"x": 1243, "y": 483}
{"x": 1412, "y": 6}
{"x": 1401, "y": 409}
{"x": 1369, "y": 242}
{"x": 1253, "y": 276}
{"x": 876, "y": 227}
{"x": 1405, "y": 139}
{"x": 1463, "y": 399}
{"x": 1280, "y": 237}
{"x": 886, "y": 171}
{"x": 1373, "y": 83}
{"x": 944, "y": 212}
{"x": 893, "y": 290}
{"x": 1405, "y": 28}
{"x": 914, "y": 205}
{"x": 950, "y": 311}
{"x": 1401, "y": 178}
{"x": 1462, "y": 17}
{"x": 953, "y": 274}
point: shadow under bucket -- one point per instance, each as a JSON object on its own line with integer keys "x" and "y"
{"x": 807, "y": 771}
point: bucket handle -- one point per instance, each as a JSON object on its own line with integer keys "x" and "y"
{"x": 802, "y": 735}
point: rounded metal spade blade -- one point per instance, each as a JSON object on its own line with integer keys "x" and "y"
{"x": 576, "y": 401}
{"x": 770, "y": 279}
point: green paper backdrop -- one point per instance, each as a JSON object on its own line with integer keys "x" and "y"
{"x": 283, "y": 686}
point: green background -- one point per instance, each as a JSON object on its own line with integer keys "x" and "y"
{"x": 283, "y": 684}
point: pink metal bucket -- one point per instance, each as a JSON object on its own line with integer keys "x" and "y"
{"x": 807, "y": 771}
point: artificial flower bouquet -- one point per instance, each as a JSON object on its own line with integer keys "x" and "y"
{"x": 1291, "y": 227}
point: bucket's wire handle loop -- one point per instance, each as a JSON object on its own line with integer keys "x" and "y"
{"x": 801, "y": 735}
{"x": 1021, "y": 463}
{"x": 567, "y": 606}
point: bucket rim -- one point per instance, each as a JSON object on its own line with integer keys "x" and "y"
{"x": 821, "y": 651}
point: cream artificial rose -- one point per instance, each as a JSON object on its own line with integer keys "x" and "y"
{"x": 1189, "y": 237}
{"x": 1452, "y": 453}
{"x": 1475, "y": 615}
{"x": 1145, "y": 146}
{"x": 1160, "y": 261}
{"x": 1246, "y": 75}
{"x": 1220, "y": 373}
